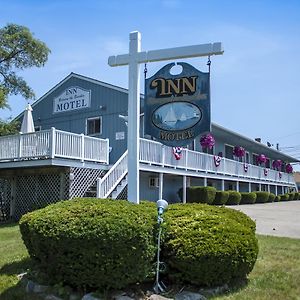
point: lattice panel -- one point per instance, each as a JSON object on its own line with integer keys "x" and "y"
{"x": 82, "y": 179}
{"x": 123, "y": 194}
{"x": 36, "y": 191}
{"x": 5, "y": 198}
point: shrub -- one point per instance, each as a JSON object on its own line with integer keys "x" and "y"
{"x": 234, "y": 198}
{"x": 297, "y": 196}
{"x": 262, "y": 197}
{"x": 284, "y": 197}
{"x": 291, "y": 196}
{"x": 277, "y": 198}
{"x": 271, "y": 197}
{"x": 248, "y": 198}
{"x": 199, "y": 194}
{"x": 91, "y": 242}
{"x": 221, "y": 197}
{"x": 207, "y": 245}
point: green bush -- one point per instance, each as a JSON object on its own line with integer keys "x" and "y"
{"x": 277, "y": 198}
{"x": 234, "y": 198}
{"x": 248, "y": 198}
{"x": 221, "y": 197}
{"x": 92, "y": 242}
{"x": 262, "y": 197}
{"x": 199, "y": 194}
{"x": 297, "y": 196}
{"x": 284, "y": 197}
{"x": 271, "y": 197}
{"x": 291, "y": 196}
{"x": 207, "y": 245}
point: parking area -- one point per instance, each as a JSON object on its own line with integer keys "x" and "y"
{"x": 277, "y": 218}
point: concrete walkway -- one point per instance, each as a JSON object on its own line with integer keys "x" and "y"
{"x": 277, "y": 218}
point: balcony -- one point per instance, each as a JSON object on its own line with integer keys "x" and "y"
{"x": 156, "y": 154}
{"x": 51, "y": 144}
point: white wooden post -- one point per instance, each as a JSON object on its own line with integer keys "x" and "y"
{"x": 237, "y": 186}
{"x": 163, "y": 155}
{"x": 52, "y": 142}
{"x": 276, "y": 190}
{"x": 249, "y": 187}
{"x": 133, "y": 59}
{"x": 222, "y": 185}
{"x": 161, "y": 186}
{"x": 107, "y": 151}
{"x": 205, "y": 181}
{"x": 259, "y": 187}
{"x": 183, "y": 189}
{"x": 20, "y": 145}
{"x": 82, "y": 147}
{"x": 269, "y": 188}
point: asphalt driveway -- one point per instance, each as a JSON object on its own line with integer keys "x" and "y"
{"x": 277, "y": 218}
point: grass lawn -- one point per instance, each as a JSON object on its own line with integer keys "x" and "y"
{"x": 276, "y": 274}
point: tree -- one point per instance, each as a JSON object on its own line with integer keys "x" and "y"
{"x": 18, "y": 50}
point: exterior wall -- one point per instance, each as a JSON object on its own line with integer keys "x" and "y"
{"x": 106, "y": 103}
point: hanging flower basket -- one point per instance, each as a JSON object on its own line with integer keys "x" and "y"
{"x": 277, "y": 164}
{"x": 177, "y": 151}
{"x": 207, "y": 141}
{"x": 261, "y": 159}
{"x": 238, "y": 151}
{"x": 289, "y": 168}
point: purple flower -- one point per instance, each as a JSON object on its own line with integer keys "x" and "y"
{"x": 207, "y": 141}
{"x": 261, "y": 159}
{"x": 238, "y": 151}
{"x": 289, "y": 168}
{"x": 277, "y": 164}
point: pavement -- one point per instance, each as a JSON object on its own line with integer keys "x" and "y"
{"x": 277, "y": 218}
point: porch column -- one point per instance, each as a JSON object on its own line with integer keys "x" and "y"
{"x": 161, "y": 183}
{"x": 205, "y": 181}
{"x": 259, "y": 187}
{"x": 222, "y": 185}
{"x": 276, "y": 190}
{"x": 183, "y": 189}
{"x": 268, "y": 188}
{"x": 249, "y": 187}
{"x": 237, "y": 186}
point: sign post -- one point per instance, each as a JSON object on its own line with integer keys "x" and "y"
{"x": 133, "y": 59}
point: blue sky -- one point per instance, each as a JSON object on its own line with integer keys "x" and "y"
{"x": 255, "y": 85}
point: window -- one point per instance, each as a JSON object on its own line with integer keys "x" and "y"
{"x": 247, "y": 158}
{"x": 229, "y": 151}
{"x": 94, "y": 126}
{"x": 254, "y": 159}
{"x": 37, "y": 128}
{"x": 153, "y": 182}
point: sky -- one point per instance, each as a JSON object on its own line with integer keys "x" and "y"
{"x": 255, "y": 85}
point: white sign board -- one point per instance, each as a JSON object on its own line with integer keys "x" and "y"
{"x": 120, "y": 135}
{"x": 73, "y": 98}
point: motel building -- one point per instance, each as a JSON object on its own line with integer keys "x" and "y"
{"x": 79, "y": 149}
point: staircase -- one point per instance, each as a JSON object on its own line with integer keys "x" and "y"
{"x": 115, "y": 180}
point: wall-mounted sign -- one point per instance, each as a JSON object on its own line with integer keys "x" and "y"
{"x": 120, "y": 135}
{"x": 177, "y": 107}
{"x": 73, "y": 98}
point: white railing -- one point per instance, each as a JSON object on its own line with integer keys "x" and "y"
{"x": 155, "y": 153}
{"x": 53, "y": 143}
{"x": 107, "y": 184}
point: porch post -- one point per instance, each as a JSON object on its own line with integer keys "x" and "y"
{"x": 259, "y": 187}
{"x": 276, "y": 190}
{"x": 269, "y": 188}
{"x": 52, "y": 142}
{"x": 222, "y": 185}
{"x": 237, "y": 186}
{"x": 184, "y": 189}
{"x": 205, "y": 181}
{"x": 161, "y": 183}
{"x": 249, "y": 187}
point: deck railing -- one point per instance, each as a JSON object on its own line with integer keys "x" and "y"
{"x": 155, "y": 153}
{"x": 54, "y": 143}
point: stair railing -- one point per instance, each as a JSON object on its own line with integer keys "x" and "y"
{"x": 107, "y": 184}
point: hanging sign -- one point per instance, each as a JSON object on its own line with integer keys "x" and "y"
{"x": 177, "y": 107}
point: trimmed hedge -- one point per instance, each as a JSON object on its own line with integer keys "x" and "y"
{"x": 277, "y": 198}
{"x": 297, "y": 196}
{"x": 234, "y": 198}
{"x": 208, "y": 245}
{"x": 92, "y": 242}
{"x": 199, "y": 194}
{"x": 284, "y": 197}
{"x": 271, "y": 197}
{"x": 221, "y": 197}
{"x": 248, "y": 198}
{"x": 291, "y": 196}
{"x": 262, "y": 197}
